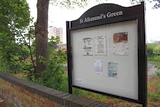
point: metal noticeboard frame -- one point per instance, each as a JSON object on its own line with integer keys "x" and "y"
{"x": 100, "y": 20}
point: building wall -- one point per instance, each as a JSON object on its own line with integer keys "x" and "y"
{"x": 55, "y": 31}
{"x": 22, "y": 93}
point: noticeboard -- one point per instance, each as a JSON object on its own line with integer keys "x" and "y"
{"x": 106, "y": 52}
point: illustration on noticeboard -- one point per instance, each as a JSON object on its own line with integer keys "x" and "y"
{"x": 100, "y": 45}
{"x": 98, "y": 66}
{"x": 87, "y": 46}
{"x": 120, "y": 43}
{"x": 112, "y": 69}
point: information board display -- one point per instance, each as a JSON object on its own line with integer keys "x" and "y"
{"x": 105, "y": 58}
{"x": 106, "y": 52}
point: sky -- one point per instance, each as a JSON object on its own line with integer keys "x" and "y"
{"x": 58, "y": 16}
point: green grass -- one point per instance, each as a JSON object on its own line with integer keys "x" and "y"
{"x": 153, "y": 93}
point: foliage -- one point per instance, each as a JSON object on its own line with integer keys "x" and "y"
{"x": 156, "y": 59}
{"x": 156, "y": 5}
{"x": 154, "y": 90}
{"x": 4, "y": 67}
{"x": 15, "y": 17}
{"x": 27, "y": 64}
{"x": 53, "y": 76}
{"x": 73, "y": 3}
{"x": 21, "y": 58}
{"x": 150, "y": 48}
{"x": 152, "y": 51}
{"x": 64, "y": 84}
{"x": 156, "y": 50}
{"x": 41, "y": 30}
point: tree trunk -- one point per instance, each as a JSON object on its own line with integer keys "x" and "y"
{"x": 41, "y": 33}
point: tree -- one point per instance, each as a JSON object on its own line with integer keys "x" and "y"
{"x": 156, "y": 50}
{"x": 55, "y": 66}
{"x": 150, "y": 48}
{"x": 156, "y": 5}
{"x": 41, "y": 33}
{"x": 153, "y": 52}
{"x": 41, "y": 30}
{"x": 14, "y": 17}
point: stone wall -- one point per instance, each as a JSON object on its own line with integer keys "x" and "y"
{"x": 22, "y": 93}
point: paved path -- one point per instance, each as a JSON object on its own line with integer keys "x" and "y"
{"x": 151, "y": 68}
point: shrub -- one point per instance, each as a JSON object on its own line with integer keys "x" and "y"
{"x": 154, "y": 88}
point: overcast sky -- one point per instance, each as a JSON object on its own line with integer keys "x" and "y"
{"x": 59, "y": 16}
